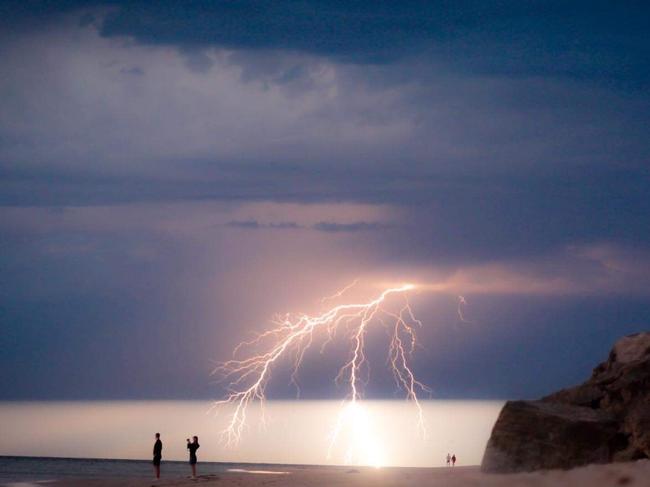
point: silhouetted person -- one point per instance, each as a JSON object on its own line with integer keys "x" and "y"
{"x": 192, "y": 447}
{"x": 157, "y": 456}
{"x": 448, "y": 459}
{"x": 453, "y": 460}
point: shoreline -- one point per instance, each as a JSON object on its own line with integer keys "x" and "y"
{"x": 148, "y": 461}
{"x": 258, "y": 474}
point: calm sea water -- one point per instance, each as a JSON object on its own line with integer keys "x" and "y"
{"x": 379, "y": 433}
{"x": 23, "y": 471}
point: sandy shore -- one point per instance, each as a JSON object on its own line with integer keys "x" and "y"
{"x": 633, "y": 474}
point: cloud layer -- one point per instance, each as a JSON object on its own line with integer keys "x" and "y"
{"x": 170, "y": 178}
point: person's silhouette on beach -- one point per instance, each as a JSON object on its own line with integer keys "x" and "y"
{"x": 448, "y": 459}
{"x": 157, "y": 456}
{"x": 192, "y": 447}
{"x": 453, "y": 460}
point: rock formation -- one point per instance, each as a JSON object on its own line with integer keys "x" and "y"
{"x": 606, "y": 419}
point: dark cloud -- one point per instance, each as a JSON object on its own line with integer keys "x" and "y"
{"x": 581, "y": 39}
{"x": 331, "y": 227}
{"x": 255, "y": 225}
{"x": 500, "y": 148}
{"x": 134, "y": 71}
{"x": 477, "y": 216}
{"x": 197, "y": 60}
{"x": 87, "y": 19}
{"x": 249, "y": 224}
{"x": 285, "y": 225}
{"x": 348, "y": 227}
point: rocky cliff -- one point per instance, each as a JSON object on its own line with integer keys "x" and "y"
{"x": 606, "y": 419}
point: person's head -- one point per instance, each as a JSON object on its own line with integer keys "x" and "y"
{"x": 157, "y": 435}
{"x": 195, "y": 439}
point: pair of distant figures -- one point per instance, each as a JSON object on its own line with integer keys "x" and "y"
{"x": 451, "y": 460}
{"x": 192, "y": 446}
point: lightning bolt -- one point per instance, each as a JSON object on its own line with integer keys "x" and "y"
{"x": 462, "y": 302}
{"x": 339, "y": 293}
{"x": 293, "y": 335}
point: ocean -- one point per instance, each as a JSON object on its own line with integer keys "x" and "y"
{"x": 25, "y": 471}
{"x": 85, "y": 436}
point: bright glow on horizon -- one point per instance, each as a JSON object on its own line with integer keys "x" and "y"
{"x": 296, "y": 432}
{"x": 363, "y": 444}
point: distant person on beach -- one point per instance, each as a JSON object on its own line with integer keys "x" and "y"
{"x": 192, "y": 447}
{"x": 453, "y": 460}
{"x": 448, "y": 459}
{"x": 157, "y": 456}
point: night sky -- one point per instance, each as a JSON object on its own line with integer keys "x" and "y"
{"x": 172, "y": 174}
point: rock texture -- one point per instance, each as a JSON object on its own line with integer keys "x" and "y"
{"x": 606, "y": 419}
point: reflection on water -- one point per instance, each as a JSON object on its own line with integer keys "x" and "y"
{"x": 295, "y": 432}
{"x": 260, "y": 472}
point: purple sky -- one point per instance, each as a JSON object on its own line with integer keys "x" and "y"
{"x": 171, "y": 178}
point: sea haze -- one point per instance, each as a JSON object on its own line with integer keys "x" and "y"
{"x": 384, "y": 433}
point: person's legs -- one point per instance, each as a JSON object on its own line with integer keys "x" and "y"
{"x": 193, "y": 470}
{"x": 157, "y": 469}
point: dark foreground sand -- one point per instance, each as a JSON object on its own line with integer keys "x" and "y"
{"x": 632, "y": 474}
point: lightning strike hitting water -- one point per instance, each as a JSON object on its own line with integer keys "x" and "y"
{"x": 293, "y": 335}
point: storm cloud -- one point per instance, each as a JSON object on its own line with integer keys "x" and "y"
{"x": 163, "y": 168}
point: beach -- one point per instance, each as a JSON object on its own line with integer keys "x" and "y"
{"x": 293, "y": 433}
{"x": 635, "y": 474}
{"x": 66, "y": 432}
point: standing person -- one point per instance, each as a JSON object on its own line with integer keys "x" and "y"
{"x": 157, "y": 456}
{"x": 453, "y": 460}
{"x": 448, "y": 459}
{"x": 192, "y": 447}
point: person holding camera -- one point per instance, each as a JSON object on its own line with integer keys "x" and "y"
{"x": 192, "y": 446}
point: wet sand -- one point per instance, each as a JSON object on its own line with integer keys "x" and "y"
{"x": 633, "y": 474}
